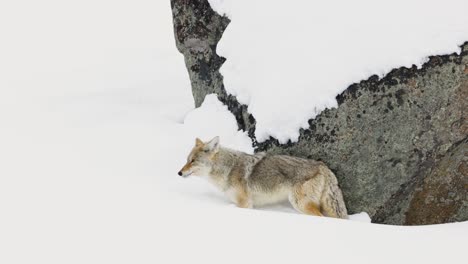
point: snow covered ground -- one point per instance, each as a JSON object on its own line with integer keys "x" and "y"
{"x": 96, "y": 118}
{"x": 300, "y": 54}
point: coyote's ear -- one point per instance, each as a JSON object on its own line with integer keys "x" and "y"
{"x": 213, "y": 144}
{"x": 198, "y": 142}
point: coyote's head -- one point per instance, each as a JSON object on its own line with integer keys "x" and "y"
{"x": 200, "y": 159}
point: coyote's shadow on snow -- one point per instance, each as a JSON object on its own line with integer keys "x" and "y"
{"x": 283, "y": 207}
{"x": 220, "y": 199}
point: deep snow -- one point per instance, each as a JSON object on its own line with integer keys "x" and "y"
{"x": 95, "y": 121}
{"x": 287, "y": 60}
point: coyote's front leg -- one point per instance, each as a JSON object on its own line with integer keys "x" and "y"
{"x": 241, "y": 197}
{"x": 243, "y": 202}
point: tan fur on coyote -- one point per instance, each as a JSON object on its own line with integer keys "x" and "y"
{"x": 259, "y": 179}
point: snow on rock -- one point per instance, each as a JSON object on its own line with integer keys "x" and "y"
{"x": 212, "y": 119}
{"x": 361, "y": 217}
{"x": 288, "y": 60}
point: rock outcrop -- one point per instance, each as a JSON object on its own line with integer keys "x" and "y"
{"x": 197, "y": 30}
{"x": 398, "y": 145}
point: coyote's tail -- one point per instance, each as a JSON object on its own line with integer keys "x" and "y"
{"x": 333, "y": 203}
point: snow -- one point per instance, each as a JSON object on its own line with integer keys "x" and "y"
{"x": 288, "y": 60}
{"x": 214, "y": 119}
{"x": 96, "y": 119}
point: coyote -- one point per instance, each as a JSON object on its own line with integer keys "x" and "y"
{"x": 259, "y": 179}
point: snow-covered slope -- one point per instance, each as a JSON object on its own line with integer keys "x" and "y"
{"x": 287, "y": 60}
{"x": 91, "y": 139}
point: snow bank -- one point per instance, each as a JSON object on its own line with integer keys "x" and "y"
{"x": 288, "y": 60}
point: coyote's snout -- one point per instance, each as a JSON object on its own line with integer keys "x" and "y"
{"x": 253, "y": 180}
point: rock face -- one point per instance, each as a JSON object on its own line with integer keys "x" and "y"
{"x": 398, "y": 145}
{"x": 197, "y": 30}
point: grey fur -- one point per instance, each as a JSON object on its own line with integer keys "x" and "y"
{"x": 251, "y": 180}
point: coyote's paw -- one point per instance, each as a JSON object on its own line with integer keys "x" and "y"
{"x": 245, "y": 204}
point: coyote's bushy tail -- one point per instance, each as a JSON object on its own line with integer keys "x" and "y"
{"x": 332, "y": 202}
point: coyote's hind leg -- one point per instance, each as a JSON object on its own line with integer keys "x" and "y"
{"x": 304, "y": 201}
